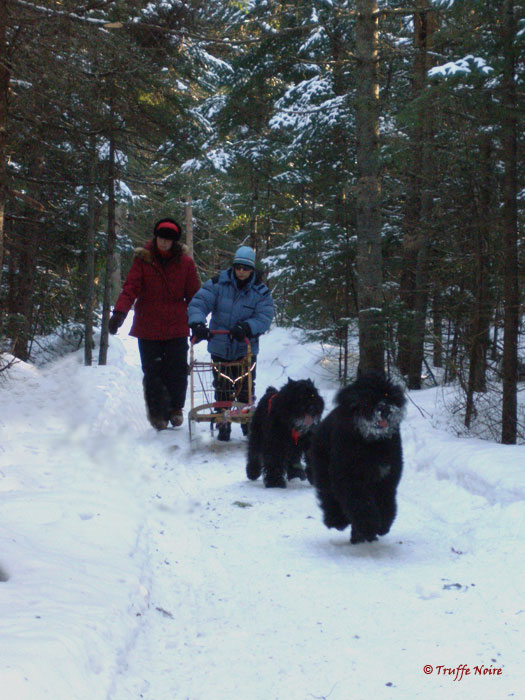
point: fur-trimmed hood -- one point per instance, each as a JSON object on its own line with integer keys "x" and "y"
{"x": 146, "y": 253}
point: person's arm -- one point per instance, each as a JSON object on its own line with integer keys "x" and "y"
{"x": 130, "y": 291}
{"x": 131, "y": 288}
{"x": 202, "y": 303}
{"x": 192, "y": 284}
{"x": 262, "y": 317}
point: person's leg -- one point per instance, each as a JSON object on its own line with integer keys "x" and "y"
{"x": 244, "y": 393}
{"x": 231, "y": 384}
{"x": 175, "y": 375}
{"x": 222, "y": 381}
{"x": 155, "y": 393}
{"x": 224, "y": 431}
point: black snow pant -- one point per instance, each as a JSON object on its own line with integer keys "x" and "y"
{"x": 165, "y": 367}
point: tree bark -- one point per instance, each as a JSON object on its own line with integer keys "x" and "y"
{"x": 4, "y": 91}
{"x": 110, "y": 247}
{"x": 437, "y": 326}
{"x": 418, "y": 216}
{"x": 90, "y": 257}
{"x": 480, "y": 326}
{"x": 22, "y": 301}
{"x": 509, "y": 427}
{"x": 188, "y": 211}
{"x": 417, "y": 340}
{"x": 369, "y": 251}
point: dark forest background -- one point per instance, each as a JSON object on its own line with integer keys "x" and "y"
{"x": 369, "y": 151}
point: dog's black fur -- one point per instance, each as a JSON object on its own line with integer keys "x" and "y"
{"x": 280, "y": 432}
{"x": 357, "y": 459}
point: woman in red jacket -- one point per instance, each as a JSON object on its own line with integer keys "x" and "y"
{"x": 161, "y": 282}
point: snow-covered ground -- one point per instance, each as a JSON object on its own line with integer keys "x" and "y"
{"x": 133, "y": 566}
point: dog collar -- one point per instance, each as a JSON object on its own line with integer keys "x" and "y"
{"x": 272, "y": 397}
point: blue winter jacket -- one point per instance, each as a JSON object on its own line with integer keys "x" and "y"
{"x": 230, "y": 305}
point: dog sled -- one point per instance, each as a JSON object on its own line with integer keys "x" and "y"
{"x": 221, "y": 391}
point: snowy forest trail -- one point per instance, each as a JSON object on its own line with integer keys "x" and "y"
{"x": 182, "y": 580}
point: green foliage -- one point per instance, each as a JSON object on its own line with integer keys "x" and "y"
{"x": 248, "y": 107}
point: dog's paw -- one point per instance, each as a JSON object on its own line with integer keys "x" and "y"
{"x": 296, "y": 473}
{"x": 356, "y": 537}
{"x": 275, "y": 482}
{"x": 359, "y": 536}
{"x": 253, "y": 471}
{"x": 338, "y": 523}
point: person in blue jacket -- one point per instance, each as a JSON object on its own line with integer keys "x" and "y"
{"x": 240, "y": 303}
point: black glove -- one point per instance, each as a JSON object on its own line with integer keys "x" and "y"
{"x": 199, "y": 331}
{"x": 240, "y": 331}
{"x": 116, "y": 320}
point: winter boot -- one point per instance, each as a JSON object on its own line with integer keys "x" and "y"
{"x": 158, "y": 422}
{"x": 176, "y": 418}
{"x": 224, "y": 432}
{"x": 156, "y": 398}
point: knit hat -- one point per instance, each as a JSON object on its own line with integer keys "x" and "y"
{"x": 244, "y": 256}
{"x": 167, "y": 228}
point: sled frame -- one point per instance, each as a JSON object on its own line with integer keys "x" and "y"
{"x": 203, "y": 377}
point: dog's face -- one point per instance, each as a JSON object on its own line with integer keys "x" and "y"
{"x": 375, "y": 404}
{"x": 304, "y": 404}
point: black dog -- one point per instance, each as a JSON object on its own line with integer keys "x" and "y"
{"x": 280, "y": 432}
{"x": 357, "y": 457}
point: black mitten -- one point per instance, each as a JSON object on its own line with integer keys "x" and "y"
{"x": 116, "y": 320}
{"x": 199, "y": 331}
{"x": 240, "y": 331}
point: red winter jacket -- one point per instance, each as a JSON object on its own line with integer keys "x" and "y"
{"x": 162, "y": 293}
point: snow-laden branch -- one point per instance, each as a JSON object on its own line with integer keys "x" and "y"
{"x": 468, "y": 64}
{"x": 60, "y": 13}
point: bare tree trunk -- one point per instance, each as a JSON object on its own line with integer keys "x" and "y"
{"x": 254, "y": 232}
{"x": 419, "y": 212}
{"x": 90, "y": 257}
{"x": 496, "y": 321}
{"x": 4, "y": 91}
{"x": 116, "y": 268}
{"x": 110, "y": 249}
{"x": 406, "y": 295}
{"x": 369, "y": 252}
{"x": 23, "y": 300}
{"x": 437, "y": 326}
{"x": 479, "y": 336}
{"x": 510, "y": 229}
{"x": 12, "y": 286}
{"x": 188, "y": 210}
{"x": 483, "y": 313}
{"x": 417, "y": 344}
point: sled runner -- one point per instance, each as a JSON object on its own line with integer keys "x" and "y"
{"x": 221, "y": 391}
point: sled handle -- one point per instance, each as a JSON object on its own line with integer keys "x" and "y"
{"x": 223, "y": 332}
